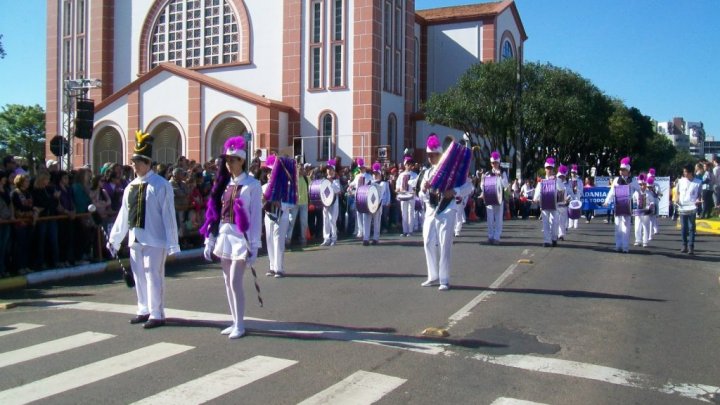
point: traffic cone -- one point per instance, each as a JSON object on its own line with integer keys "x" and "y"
{"x": 473, "y": 216}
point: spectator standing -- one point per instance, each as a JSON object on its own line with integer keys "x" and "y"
{"x": 707, "y": 191}
{"x": 45, "y": 203}
{"x": 5, "y": 215}
{"x": 301, "y": 208}
{"x": 181, "y": 199}
{"x": 688, "y": 197}
{"x": 23, "y": 209}
{"x": 716, "y": 178}
{"x": 83, "y": 225}
{"x": 66, "y": 226}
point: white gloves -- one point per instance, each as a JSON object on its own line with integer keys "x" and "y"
{"x": 113, "y": 249}
{"x": 209, "y": 247}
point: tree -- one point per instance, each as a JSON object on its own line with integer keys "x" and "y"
{"x": 22, "y": 131}
{"x": 2, "y": 49}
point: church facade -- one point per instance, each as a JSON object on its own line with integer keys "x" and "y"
{"x": 318, "y": 78}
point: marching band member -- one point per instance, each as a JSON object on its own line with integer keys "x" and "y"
{"x": 330, "y": 214}
{"x": 439, "y": 220}
{"x": 374, "y": 219}
{"x": 564, "y": 196}
{"x": 494, "y": 212}
{"x": 232, "y": 227}
{"x": 549, "y": 216}
{"x": 148, "y": 214}
{"x": 460, "y": 212}
{"x": 644, "y": 201}
{"x": 655, "y": 189}
{"x": 622, "y": 222}
{"x": 360, "y": 179}
{"x": 405, "y": 194}
{"x": 280, "y": 196}
{"x": 576, "y": 189}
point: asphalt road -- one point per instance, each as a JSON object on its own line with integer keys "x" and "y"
{"x": 574, "y": 324}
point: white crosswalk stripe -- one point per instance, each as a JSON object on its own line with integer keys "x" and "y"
{"x": 51, "y": 347}
{"x": 89, "y": 373}
{"x": 362, "y": 387}
{"x": 513, "y": 401}
{"x": 220, "y": 382}
{"x": 18, "y": 327}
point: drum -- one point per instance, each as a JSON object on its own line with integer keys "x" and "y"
{"x": 623, "y": 200}
{"x": 548, "y": 195}
{"x": 418, "y": 204}
{"x": 367, "y": 199}
{"x": 406, "y": 194}
{"x": 492, "y": 190}
{"x": 321, "y": 192}
{"x": 575, "y": 209}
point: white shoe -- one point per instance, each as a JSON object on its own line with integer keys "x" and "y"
{"x": 332, "y": 243}
{"x": 279, "y": 274}
{"x": 326, "y": 242}
{"x": 430, "y": 283}
{"x": 227, "y": 330}
{"x": 270, "y": 273}
{"x": 236, "y": 333}
{"x": 444, "y": 287}
{"x": 636, "y": 244}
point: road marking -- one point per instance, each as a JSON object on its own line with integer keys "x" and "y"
{"x": 51, "y": 347}
{"x": 132, "y": 309}
{"x": 361, "y": 387}
{"x": 18, "y": 327}
{"x": 467, "y": 309}
{"x": 220, "y": 382}
{"x": 513, "y": 401}
{"x": 89, "y": 373}
{"x": 604, "y": 374}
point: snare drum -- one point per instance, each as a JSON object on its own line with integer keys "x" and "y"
{"x": 492, "y": 190}
{"x": 367, "y": 199}
{"x": 575, "y": 209}
{"x": 321, "y": 192}
{"x": 548, "y": 195}
{"x": 418, "y": 204}
{"x": 623, "y": 200}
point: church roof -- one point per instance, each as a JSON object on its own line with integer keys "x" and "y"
{"x": 469, "y": 12}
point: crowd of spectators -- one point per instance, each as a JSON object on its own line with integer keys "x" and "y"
{"x": 44, "y": 219}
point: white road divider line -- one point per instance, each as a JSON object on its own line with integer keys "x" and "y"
{"x": 513, "y": 401}
{"x": 359, "y": 388}
{"x": 18, "y": 327}
{"x": 89, "y": 373}
{"x": 51, "y": 347}
{"x": 604, "y": 374}
{"x": 220, "y": 382}
{"x": 467, "y": 309}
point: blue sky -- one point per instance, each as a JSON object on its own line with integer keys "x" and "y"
{"x": 661, "y": 56}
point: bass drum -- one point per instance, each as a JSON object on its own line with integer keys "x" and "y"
{"x": 623, "y": 200}
{"x": 367, "y": 199}
{"x": 321, "y": 192}
{"x": 492, "y": 190}
{"x": 548, "y": 195}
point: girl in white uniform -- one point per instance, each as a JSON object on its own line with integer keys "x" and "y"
{"x": 495, "y": 212}
{"x": 232, "y": 227}
{"x": 330, "y": 214}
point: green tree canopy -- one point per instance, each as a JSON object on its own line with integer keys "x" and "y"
{"x": 2, "y": 49}
{"x": 22, "y": 131}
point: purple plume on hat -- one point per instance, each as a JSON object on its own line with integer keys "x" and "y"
{"x": 407, "y": 158}
{"x": 235, "y": 146}
{"x": 433, "y": 144}
{"x": 331, "y": 163}
{"x": 376, "y": 167}
{"x": 495, "y": 156}
{"x": 625, "y": 163}
{"x": 270, "y": 161}
{"x": 651, "y": 171}
{"x": 641, "y": 178}
{"x": 573, "y": 168}
{"x": 550, "y": 162}
{"x": 563, "y": 170}
{"x": 650, "y": 180}
{"x": 360, "y": 161}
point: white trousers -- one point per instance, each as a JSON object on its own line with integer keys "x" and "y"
{"x": 298, "y": 211}
{"x": 572, "y": 223}
{"x": 494, "y": 221}
{"x": 330, "y": 216}
{"x": 359, "y": 222}
{"x": 374, "y": 221}
{"x": 653, "y": 225}
{"x": 562, "y": 213}
{"x": 233, "y": 272}
{"x": 438, "y": 240}
{"x": 407, "y": 209}
{"x": 643, "y": 229}
{"x": 550, "y": 226}
{"x": 622, "y": 232}
{"x": 275, "y": 233}
{"x": 148, "y": 267}
{"x": 459, "y": 219}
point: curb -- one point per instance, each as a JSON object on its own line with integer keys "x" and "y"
{"x": 39, "y": 277}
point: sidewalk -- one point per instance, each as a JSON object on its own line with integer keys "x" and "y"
{"x": 39, "y": 277}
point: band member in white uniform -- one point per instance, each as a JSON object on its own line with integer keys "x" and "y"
{"x": 655, "y": 189}
{"x": 373, "y": 220}
{"x": 330, "y": 214}
{"x": 550, "y": 219}
{"x": 277, "y": 217}
{"x": 362, "y": 178}
{"x": 232, "y": 227}
{"x": 564, "y": 196}
{"x": 148, "y": 215}
{"x": 494, "y": 212}
{"x": 460, "y": 212}
{"x": 622, "y": 222}
{"x": 439, "y": 222}
{"x": 644, "y": 201}
{"x": 576, "y": 190}
{"x": 405, "y": 188}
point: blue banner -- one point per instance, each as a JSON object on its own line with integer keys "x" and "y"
{"x": 594, "y": 197}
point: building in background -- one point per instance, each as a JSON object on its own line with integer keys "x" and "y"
{"x": 688, "y": 136}
{"x": 322, "y": 78}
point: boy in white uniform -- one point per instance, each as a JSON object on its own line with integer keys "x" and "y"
{"x": 564, "y": 196}
{"x": 330, "y": 214}
{"x": 494, "y": 212}
{"x": 362, "y": 178}
{"x": 622, "y": 222}
{"x": 576, "y": 190}
{"x": 405, "y": 188}
{"x": 550, "y": 220}
{"x": 644, "y": 201}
